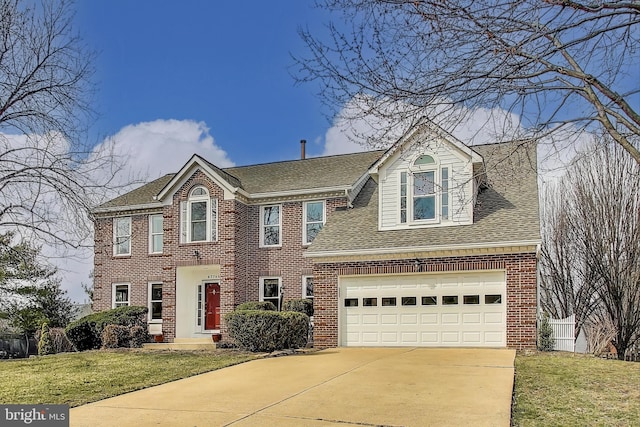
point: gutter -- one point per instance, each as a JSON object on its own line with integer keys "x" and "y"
{"x": 406, "y": 249}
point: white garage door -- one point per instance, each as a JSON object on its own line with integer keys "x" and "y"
{"x": 448, "y": 310}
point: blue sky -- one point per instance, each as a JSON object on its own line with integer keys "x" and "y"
{"x": 222, "y": 64}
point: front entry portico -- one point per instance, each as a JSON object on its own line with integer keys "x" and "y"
{"x": 198, "y": 292}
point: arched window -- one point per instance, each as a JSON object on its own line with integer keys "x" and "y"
{"x": 424, "y": 191}
{"x": 199, "y": 217}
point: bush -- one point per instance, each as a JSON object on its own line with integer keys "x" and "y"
{"x": 257, "y": 305}
{"x": 61, "y": 343}
{"x": 86, "y": 333}
{"x": 138, "y": 335}
{"x": 45, "y": 345}
{"x": 546, "y": 341}
{"x": 115, "y": 336}
{"x": 267, "y": 331}
{"x": 302, "y": 305}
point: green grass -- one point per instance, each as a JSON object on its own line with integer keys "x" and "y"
{"x": 563, "y": 389}
{"x": 79, "y": 378}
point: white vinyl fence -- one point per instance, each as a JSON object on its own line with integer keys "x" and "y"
{"x": 563, "y": 330}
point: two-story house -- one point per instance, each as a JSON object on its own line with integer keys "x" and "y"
{"x": 429, "y": 243}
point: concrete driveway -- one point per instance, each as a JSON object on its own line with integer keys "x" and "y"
{"x": 336, "y": 387}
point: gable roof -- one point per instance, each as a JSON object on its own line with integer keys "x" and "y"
{"x": 506, "y": 212}
{"x": 316, "y": 173}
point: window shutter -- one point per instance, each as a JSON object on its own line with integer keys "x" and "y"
{"x": 183, "y": 222}
{"x": 214, "y": 219}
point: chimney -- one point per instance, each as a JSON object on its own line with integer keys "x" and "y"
{"x": 303, "y": 143}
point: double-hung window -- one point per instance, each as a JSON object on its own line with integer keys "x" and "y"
{"x": 156, "y": 234}
{"x": 155, "y": 302}
{"x": 307, "y": 287}
{"x": 271, "y": 225}
{"x": 199, "y": 217}
{"x": 122, "y": 236}
{"x": 424, "y": 192}
{"x": 120, "y": 295}
{"x": 314, "y": 218}
{"x": 270, "y": 290}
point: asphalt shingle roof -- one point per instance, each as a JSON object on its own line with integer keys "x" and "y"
{"x": 307, "y": 174}
{"x": 506, "y": 211}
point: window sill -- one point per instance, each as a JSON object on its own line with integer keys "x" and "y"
{"x": 271, "y": 247}
{"x": 122, "y": 256}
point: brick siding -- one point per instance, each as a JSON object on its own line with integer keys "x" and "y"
{"x": 521, "y": 290}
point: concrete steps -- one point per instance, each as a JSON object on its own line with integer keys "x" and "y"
{"x": 204, "y": 343}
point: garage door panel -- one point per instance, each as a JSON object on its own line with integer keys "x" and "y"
{"x": 408, "y": 310}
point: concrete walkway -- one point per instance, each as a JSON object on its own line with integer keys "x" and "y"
{"x": 337, "y": 387}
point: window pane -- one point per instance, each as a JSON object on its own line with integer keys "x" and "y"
{"x": 431, "y": 300}
{"x": 156, "y": 292}
{"x": 272, "y": 235}
{"x": 387, "y": 302}
{"x": 471, "y": 299}
{"x": 369, "y": 302}
{"x": 312, "y": 231}
{"x": 315, "y": 211}
{"x": 408, "y": 300}
{"x": 493, "y": 299}
{"x": 450, "y": 300}
{"x": 423, "y": 183}
{"x": 309, "y": 287}
{"x": 271, "y": 215}
{"x": 274, "y": 301}
{"x": 157, "y": 243}
{"x": 122, "y": 293}
{"x": 199, "y": 191}
{"x": 156, "y": 224}
{"x": 198, "y": 231}
{"x": 424, "y": 160}
{"x": 199, "y": 211}
{"x": 424, "y": 208}
{"x": 270, "y": 287}
{"x": 351, "y": 302}
{"x": 122, "y": 226}
{"x": 156, "y": 310}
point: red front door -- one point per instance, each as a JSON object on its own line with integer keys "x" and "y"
{"x": 212, "y": 306}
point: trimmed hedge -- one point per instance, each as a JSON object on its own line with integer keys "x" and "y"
{"x": 302, "y": 305}
{"x": 86, "y": 333}
{"x": 257, "y": 305}
{"x": 267, "y": 331}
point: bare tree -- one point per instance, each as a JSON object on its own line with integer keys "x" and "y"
{"x": 49, "y": 178}
{"x": 591, "y": 255}
{"x": 550, "y": 67}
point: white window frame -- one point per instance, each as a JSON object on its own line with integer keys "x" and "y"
{"x": 262, "y": 279}
{"x": 439, "y": 191}
{"x": 305, "y": 222}
{"x": 151, "y": 300}
{"x": 117, "y": 238}
{"x": 263, "y": 226}
{"x": 113, "y": 295}
{"x": 304, "y": 287}
{"x": 211, "y": 216}
{"x": 156, "y": 233}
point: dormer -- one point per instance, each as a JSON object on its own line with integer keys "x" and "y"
{"x": 426, "y": 180}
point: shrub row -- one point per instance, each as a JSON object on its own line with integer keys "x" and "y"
{"x": 267, "y": 331}
{"x": 86, "y": 333}
{"x": 257, "y": 326}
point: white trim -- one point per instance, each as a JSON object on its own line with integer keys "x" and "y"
{"x": 261, "y": 243}
{"x": 113, "y": 294}
{"x": 261, "y": 293}
{"x": 301, "y": 192}
{"x": 151, "y": 234}
{"x": 115, "y": 236}
{"x": 155, "y": 205}
{"x": 304, "y": 219}
{"x": 149, "y": 301}
{"x": 415, "y": 249}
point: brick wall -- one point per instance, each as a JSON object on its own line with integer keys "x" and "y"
{"x": 521, "y": 290}
{"x": 237, "y": 252}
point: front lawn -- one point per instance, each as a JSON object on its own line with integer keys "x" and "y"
{"x": 79, "y": 378}
{"x": 563, "y": 389}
